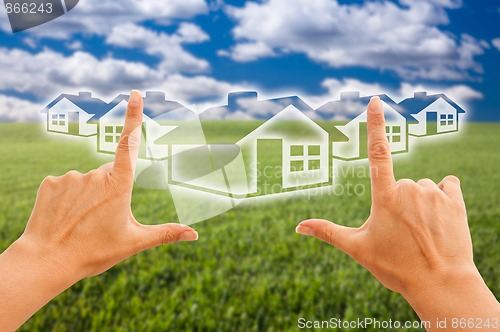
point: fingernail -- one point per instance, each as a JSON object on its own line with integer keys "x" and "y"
{"x": 304, "y": 230}
{"x": 188, "y": 236}
{"x": 135, "y": 97}
{"x": 374, "y": 108}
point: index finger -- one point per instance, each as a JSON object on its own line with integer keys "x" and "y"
{"x": 127, "y": 151}
{"x": 379, "y": 152}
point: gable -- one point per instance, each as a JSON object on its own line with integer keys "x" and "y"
{"x": 64, "y": 106}
{"x": 391, "y": 115}
{"x": 440, "y": 105}
{"x": 118, "y": 112}
{"x": 290, "y": 123}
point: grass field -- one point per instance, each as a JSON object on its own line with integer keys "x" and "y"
{"x": 249, "y": 271}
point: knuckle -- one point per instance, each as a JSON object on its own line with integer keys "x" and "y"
{"x": 452, "y": 178}
{"x": 405, "y": 183}
{"x": 49, "y": 181}
{"x": 425, "y": 181}
{"x": 124, "y": 142}
{"x": 168, "y": 237}
{"x": 325, "y": 235}
{"x": 72, "y": 175}
{"x": 133, "y": 140}
{"x": 377, "y": 119}
{"x": 128, "y": 142}
{"x": 379, "y": 151}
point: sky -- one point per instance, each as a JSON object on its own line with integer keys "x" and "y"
{"x": 198, "y": 51}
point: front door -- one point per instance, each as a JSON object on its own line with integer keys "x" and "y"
{"x": 73, "y": 123}
{"x": 432, "y": 122}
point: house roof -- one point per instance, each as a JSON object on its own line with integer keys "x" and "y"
{"x": 351, "y": 105}
{"x": 84, "y": 101}
{"x": 418, "y": 103}
{"x": 155, "y": 104}
{"x": 261, "y": 111}
{"x": 247, "y": 102}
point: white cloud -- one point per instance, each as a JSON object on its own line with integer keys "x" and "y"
{"x": 49, "y": 72}
{"x": 496, "y": 43}
{"x": 36, "y": 74}
{"x": 19, "y": 110}
{"x": 191, "y": 33}
{"x": 30, "y": 42}
{"x": 441, "y": 3}
{"x": 246, "y": 52}
{"x": 378, "y": 34}
{"x": 199, "y": 87}
{"x": 461, "y": 94}
{"x": 75, "y": 45}
{"x": 174, "y": 58}
{"x": 100, "y": 16}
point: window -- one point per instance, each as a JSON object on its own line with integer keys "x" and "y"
{"x": 442, "y": 118}
{"x": 450, "y": 120}
{"x": 305, "y": 158}
{"x": 314, "y": 150}
{"x": 393, "y": 134}
{"x": 447, "y": 119}
{"x": 296, "y": 165}
{"x": 112, "y": 134}
{"x": 314, "y": 164}
{"x": 59, "y": 119}
{"x": 296, "y": 150}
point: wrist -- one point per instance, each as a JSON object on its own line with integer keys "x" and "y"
{"x": 30, "y": 278}
{"x": 457, "y": 292}
{"x": 441, "y": 280}
{"x": 56, "y": 274}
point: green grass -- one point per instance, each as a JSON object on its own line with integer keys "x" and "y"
{"x": 249, "y": 271}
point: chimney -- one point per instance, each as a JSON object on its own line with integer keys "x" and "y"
{"x": 155, "y": 95}
{"x": 85, "y": 95}
{"x": 349, "y": 95}
{"x": 420, "y": 95}
{"x": 233, "y": 97}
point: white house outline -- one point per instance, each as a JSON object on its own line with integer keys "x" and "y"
{"x": 291, "y": 178}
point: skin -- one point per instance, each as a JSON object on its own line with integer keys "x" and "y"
{"x": 416, "y": 241}
{"x": 81, "y": 225}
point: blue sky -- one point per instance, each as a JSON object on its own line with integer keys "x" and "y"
{"x": 197, "y": 51}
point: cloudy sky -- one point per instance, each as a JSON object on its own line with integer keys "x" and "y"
{"x": 199, "y": 50}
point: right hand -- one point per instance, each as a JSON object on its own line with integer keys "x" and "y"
{"x": 417, "y": 234}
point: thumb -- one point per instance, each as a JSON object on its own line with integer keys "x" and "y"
{"x": 150, "y": 236}
{"x": 343, "y": 238}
